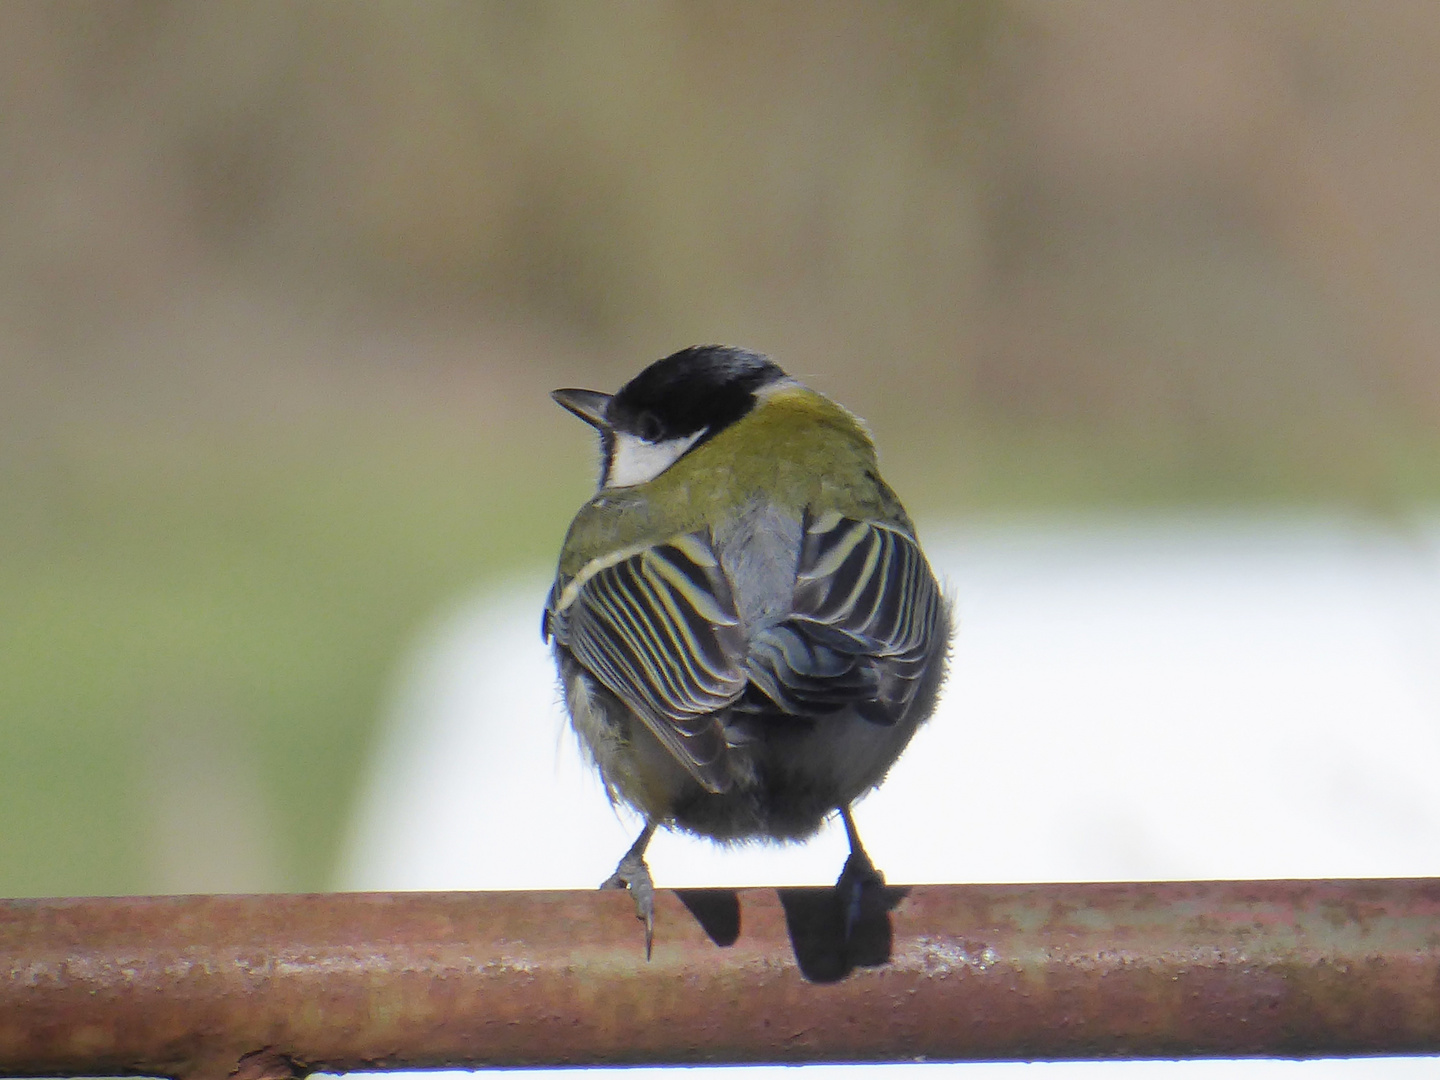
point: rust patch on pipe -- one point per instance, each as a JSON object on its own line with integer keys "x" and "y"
{"x": 268, "y": 987}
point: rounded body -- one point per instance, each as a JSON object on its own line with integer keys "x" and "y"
{"x": 827, "y": 637}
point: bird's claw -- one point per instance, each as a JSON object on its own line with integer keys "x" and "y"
{"x": 858, "y": 875}
{"x": 634, "y": 874}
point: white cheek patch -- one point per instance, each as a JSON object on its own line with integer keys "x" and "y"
{"x": 635, "y": 461}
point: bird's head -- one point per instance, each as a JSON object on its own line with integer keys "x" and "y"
{"x": 671, "y": 407}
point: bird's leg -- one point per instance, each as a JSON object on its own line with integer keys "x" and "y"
{"x": 859, "y": 873}
{"x": 633, "y": 874}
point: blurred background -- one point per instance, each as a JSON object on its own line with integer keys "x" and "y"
{"x": 283, "y": 288}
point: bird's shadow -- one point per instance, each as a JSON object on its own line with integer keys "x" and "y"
{"x": 815, "y": 921}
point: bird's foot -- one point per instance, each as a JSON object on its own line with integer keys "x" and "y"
{"x": 634, "y": 874}
{"x": 858, "y": 875}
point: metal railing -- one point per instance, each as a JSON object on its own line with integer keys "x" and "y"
{"x": 275, "y": 986}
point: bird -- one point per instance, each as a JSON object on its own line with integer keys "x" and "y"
{"x": 746, "y": 631}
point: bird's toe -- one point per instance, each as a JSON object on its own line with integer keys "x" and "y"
{"x": 634, "y": 874}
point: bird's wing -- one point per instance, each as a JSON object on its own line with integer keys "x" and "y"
{"x": 866, "y": 614}
{"x": 657, "y": 627}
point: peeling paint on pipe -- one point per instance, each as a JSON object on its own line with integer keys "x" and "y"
{"x": 271, "y": 986}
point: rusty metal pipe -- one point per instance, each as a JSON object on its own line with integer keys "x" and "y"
{"x": 201, "y": 986}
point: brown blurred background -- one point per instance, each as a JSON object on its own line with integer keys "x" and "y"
{"x": 283, "y": 287}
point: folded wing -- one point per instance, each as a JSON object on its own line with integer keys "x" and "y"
{"x": 658, "y": 628}
{"x": 866, "y": 615}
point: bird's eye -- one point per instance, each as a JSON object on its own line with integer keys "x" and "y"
{"x": 648, "y": 427}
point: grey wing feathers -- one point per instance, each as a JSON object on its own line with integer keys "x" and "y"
{"x": 866, "y": 617}
{"x": 659, "y": 630}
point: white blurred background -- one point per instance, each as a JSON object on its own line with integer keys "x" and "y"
{"x": 1131, "y": 699}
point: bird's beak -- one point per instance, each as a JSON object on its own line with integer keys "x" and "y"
{"x": 588, "y": 405}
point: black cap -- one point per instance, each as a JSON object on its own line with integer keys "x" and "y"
{"x": 704, "y": 388}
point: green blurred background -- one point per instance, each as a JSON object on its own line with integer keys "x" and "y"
{"x": 283, "y": 287}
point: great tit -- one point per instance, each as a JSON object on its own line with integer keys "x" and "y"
{"x": 746, "y": 630}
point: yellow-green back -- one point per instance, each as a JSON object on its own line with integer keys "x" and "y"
{"x": 796, "y": 449}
